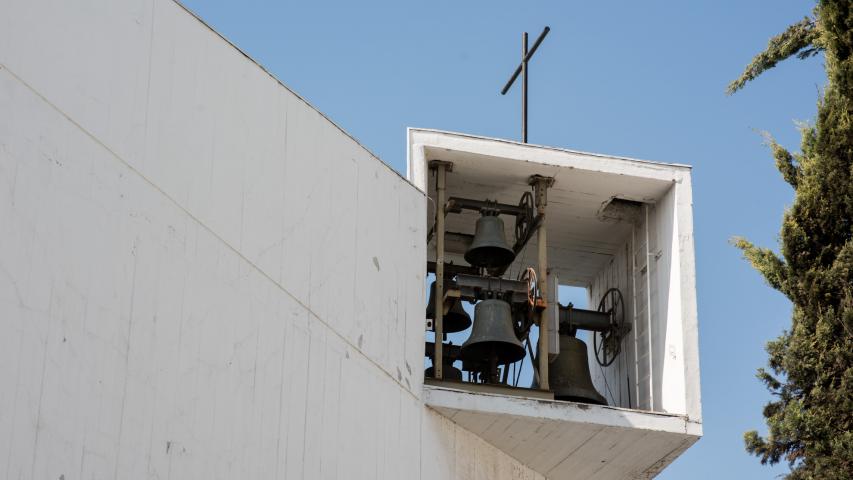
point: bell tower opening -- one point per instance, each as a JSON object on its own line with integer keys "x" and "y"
{"x": 560, "y": 299}
{"x": 535, "y": 254}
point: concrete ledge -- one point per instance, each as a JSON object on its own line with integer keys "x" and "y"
{"x": 567, "y": 439}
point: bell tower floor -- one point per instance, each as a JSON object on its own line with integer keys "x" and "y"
{"x": 567, "y": 439}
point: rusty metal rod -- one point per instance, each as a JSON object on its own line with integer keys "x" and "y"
{"x": 437, "y": 360}
{"x": 524, "y": 73}
{"x": 457, "y": 204}
{"x": 541, "y": 184}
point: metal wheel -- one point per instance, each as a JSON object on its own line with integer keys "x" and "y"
{"x": 529, "y": 276}
{"x": 523, "y": 221}
{"x": 607, "y": 345}
{"x": 524, "y": 313}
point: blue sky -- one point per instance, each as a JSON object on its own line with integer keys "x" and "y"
{"x": 640, "y": 79}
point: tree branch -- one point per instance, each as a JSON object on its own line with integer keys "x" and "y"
{"x": 799, "y": 36}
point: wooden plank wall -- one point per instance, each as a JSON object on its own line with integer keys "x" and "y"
{"x": 628, "y": 381}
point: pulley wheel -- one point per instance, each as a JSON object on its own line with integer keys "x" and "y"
{"x": 607, "y": 345}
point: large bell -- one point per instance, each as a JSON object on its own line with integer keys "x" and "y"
{"x": 489, "y": 248}
{"x": 492, "y": 338}
{"x": 455, "y": 320}
{"x": 568, "y": 375}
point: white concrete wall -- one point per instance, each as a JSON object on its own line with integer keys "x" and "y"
{"x": 670, "y": 392}
{"x": 200, "y": 275}
{"x": 663, "y": 373}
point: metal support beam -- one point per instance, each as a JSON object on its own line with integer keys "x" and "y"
{"x": 581, "y": 319}
{"x": 476, "y": 287}
{"x": 524, "y": 87}
{"x": 450, "y": 352}
{"x": 457, "y": 204}
{"x": 451, "y": 270}
{"x": 540, "y": 187}
{"x": 441, "y": 169}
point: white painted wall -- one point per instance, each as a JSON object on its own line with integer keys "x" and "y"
{"x": 658, "y": 365}
{"x": 200, "y": 275}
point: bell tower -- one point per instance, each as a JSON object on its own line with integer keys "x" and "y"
{"x": 508, "y": 224}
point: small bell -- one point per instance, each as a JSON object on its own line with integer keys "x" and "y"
{"x": 449, "y": 372}
{"x": 489, "y": 248}
{"x": 455, "y": 320}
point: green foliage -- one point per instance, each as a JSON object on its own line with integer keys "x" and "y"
{"x": 810, "y": 419}
{"x": 800, "y": 37}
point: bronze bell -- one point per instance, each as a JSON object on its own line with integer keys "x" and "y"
{"x": 568, "y": 375}
{"x": 492, "y": 335}
{"x": 455, "y": 320}
{"x": 449, "y": 372}
{"x": 489, "y": 248}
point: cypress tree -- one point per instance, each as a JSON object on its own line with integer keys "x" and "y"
{"x": 810, "y": 375}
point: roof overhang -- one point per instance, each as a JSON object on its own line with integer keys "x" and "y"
{"x": 581, "y": 241}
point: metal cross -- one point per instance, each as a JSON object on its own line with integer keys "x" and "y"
{"x": 522, "y": 69}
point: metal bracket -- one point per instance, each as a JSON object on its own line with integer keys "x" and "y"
{"x": 540, "y": 185}
{"x": 538, "y": 179}
{"x": 434, "y": 164}
{"x": 474, "y": 286}
{"x": 457, "y": 204}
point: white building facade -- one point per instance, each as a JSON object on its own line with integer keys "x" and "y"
{"x": 201, "y": 276}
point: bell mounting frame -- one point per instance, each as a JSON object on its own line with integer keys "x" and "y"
{"x": 608, "y": 347}
{"x": 524, "y": 220}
